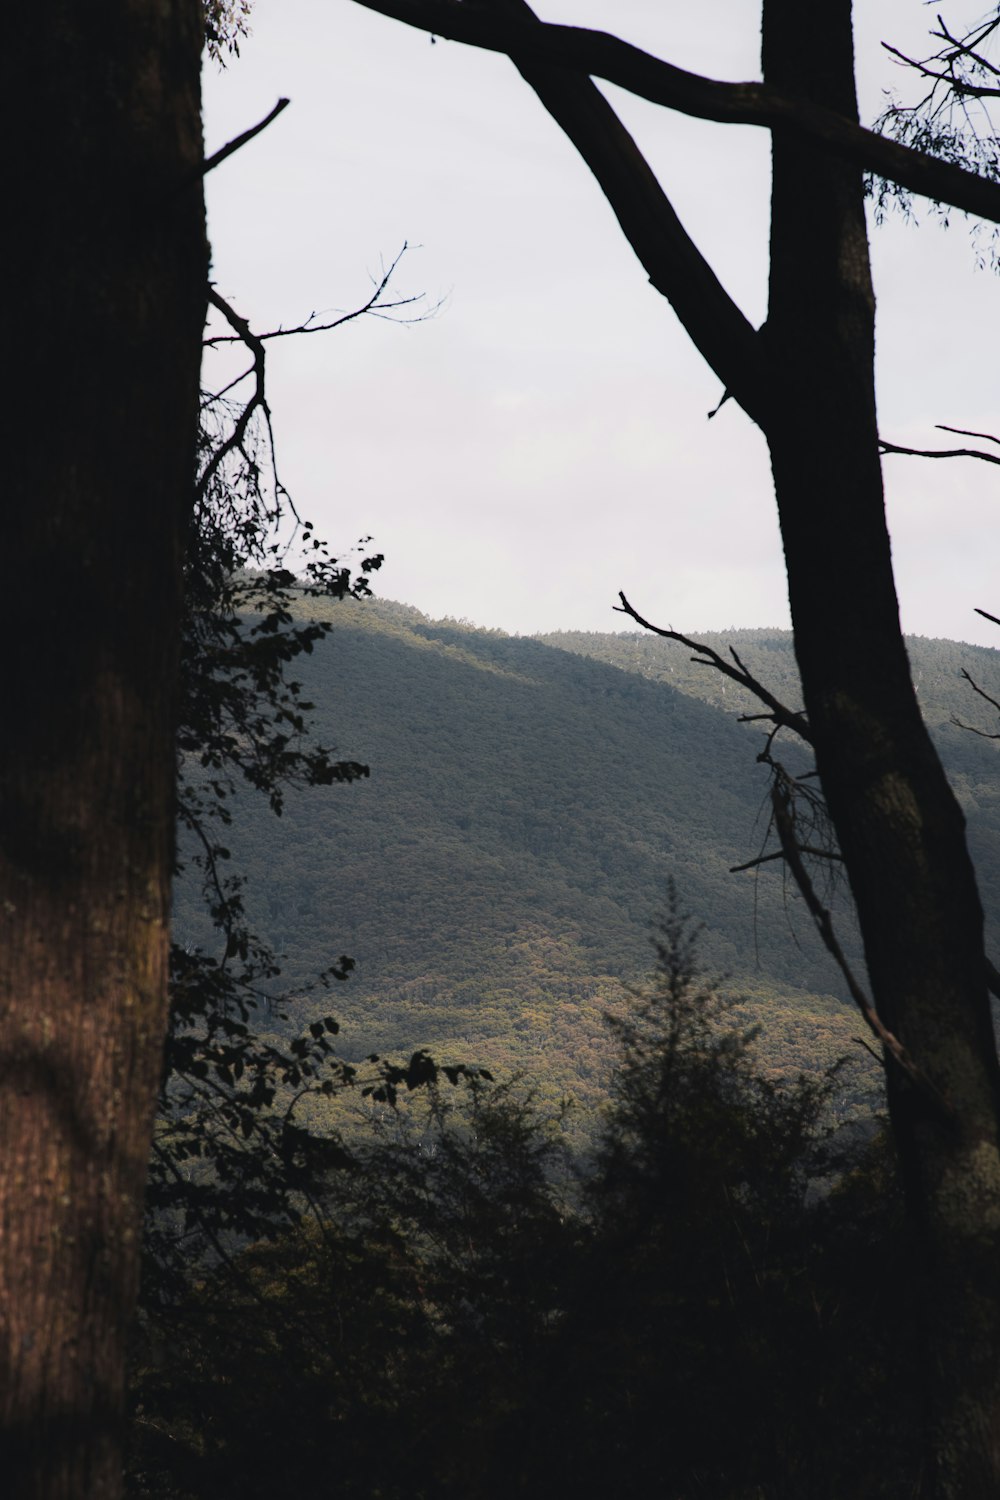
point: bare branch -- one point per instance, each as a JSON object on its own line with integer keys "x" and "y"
{"x": 258, "y": 401}
{"x": 529, "y": 41}
{"x": 987, "y": 437}
{"x": 958, "y": 85}
{"x": 763, "y": 859}
{"x": 977, "y": 689}
{"x": 968, "y": 47}
{"x": 971, "y": 728}
{"x": 375, "y": 306}
{"x": 211, "y": 162}
{"x": 987, "y": 458}
{"x": 778, "y": 714}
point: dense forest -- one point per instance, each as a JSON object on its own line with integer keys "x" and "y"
{"x": 496, "y": 878}
{"x": 648, "y": 1244}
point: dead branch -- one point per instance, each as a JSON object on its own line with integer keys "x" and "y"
{"x": 375, "y": 307}
{"x": 211, "y": 162}
{"x": 956, "y": 84}
{"x": 987, "y": 458}
{"x": 258, "y": 401}
{"x": 987, "y": 437}
{"x": 763, "y": 859}
{"x": 778, "y": 714}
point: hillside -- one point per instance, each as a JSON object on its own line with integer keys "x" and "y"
{"x": 496, "y": 878}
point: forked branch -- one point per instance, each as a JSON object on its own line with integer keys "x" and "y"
{"x": 777, "y": 713}
{"x": 376, "y": 307}
{"x": 986, "y": 437}
{"x": 529, "y": 41}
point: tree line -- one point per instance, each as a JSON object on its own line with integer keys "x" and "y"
{"x": 456, "y": 1305}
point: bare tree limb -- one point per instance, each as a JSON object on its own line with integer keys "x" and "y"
{"x": 211, "y": 162}
{"x": 374, "y": 306}
{"x": 987, "y": 458}
{"x": 778, "y": 714}
{"x": 764, "y": 859}
{"x": 977, "y": 689}
{"x": 601, "y": 55}
{"x": 971, "y": 728}
{"x": 987, "y": 437}
{"x": 958, "y": 85}
{"x": 258, "y": 401}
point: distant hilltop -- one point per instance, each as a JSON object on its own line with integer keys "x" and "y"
{"x": 496, "y": 877}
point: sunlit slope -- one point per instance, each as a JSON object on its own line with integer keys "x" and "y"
{"x": 497, "y": 876}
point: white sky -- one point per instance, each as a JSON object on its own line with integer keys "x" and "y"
{"x": 542, "y": 442}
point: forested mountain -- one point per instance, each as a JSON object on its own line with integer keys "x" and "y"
{"x": 496, "y": 878}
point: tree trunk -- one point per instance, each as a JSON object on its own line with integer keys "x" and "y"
{"x": 899, "y": 827}
{"x": 106, "y": 304}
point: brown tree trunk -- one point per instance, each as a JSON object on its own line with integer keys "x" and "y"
{"x": 106, "y": 286}
{"x": 900, "y": 829}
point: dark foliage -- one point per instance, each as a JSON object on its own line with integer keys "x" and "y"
{"x": 708, "y": 1319}
{"x": 235, "y": 1154}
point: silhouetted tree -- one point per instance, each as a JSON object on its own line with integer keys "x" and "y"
{"x": 110, "y": 264}
{"x": 808, "y": 383}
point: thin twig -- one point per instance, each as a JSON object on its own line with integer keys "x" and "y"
{"x": 374, "y": 305}
{"x": 987, "y": 458}
{"x": 977, "y": 689}
{"x": 987, "y": 437}
{"x": 257, "y": 401}
{"x": 764, "y": 859}
{"x": 958, "y": 85}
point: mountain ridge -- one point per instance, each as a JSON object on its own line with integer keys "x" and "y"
{"x": 496, "y": 878}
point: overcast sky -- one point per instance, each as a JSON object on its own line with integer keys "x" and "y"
{"x": 542, "y": 441}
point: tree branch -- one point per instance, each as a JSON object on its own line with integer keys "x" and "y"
{"x": 973, "y": 90}
{"x": 987, "y": 458}
{"x": 674, "y": 264}
{"x": 230, "y": 147}
{"x": 971, "y": 728}
{"x": 534, "y": 43}
{"x": 374, "y": 305}
{"x": 257, "y": 402}
{"x": 986, "y": 437}
{"x": 779, "y": 715}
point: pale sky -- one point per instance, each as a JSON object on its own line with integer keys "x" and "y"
{"x": 542, "y": 441}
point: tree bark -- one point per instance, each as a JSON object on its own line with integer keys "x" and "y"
{"x": 107, "y": 275}
{"x": 900, "y": 830}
